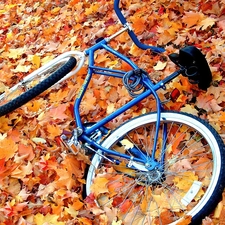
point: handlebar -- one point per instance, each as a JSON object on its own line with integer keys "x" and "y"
{"x": 131, "y": 33}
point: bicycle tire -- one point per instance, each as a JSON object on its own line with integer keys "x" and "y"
{"x": 203, "y": 144}
{"x": 39, "y": 88}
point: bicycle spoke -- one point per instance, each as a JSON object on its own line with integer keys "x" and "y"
{"x": 167, "y": 193}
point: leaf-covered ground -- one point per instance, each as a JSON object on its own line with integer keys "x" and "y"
{"x": 40, "y": 182}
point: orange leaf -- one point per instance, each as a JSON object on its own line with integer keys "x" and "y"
{"x": 192, "y": 18}
{"x": 126, "y": 206}
{"x": 53, "y": 131}
{"x": 166, "y": 217}
{"x": 138, "y": 24}
{"x": 26, "y": 150}
{"x": 99, "y": 186}
{"x": 204, "y": 167}
{"x": 222, "y": 116}
{"x": 185, "y": 221}
{"x": 65, "y": 179}
{"x": 58, "y": 112}
{"x": 74, "y": 166}
{"x": 85, "y": 221}
{"x": 178, "y": 138}
{"x": 7, "y": 148}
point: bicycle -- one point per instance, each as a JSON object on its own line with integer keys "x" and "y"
{"x": 157, "y": 168}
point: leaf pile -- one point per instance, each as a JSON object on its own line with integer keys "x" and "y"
{"x": 40, "y": 182}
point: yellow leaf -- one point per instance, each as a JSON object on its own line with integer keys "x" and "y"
{"x": 110, "y": 108}
{"x": 135, "y": 51}
{"x": 40, "y": 219}
{"x": 207, "y": 22}
{"x": 92, "y": 9}
{"x": 39, "y": 140}
{"x": 46, "y": 59}
{"x": 189, "y": 109}
{"x": 2, "y": 87}
{"x": 145, "y": 201}
{"x": 35, "y": 105}
{"x": 184, "y": 180}
{"x": 71, "y": 211}
{"x": 9, "y": 36}
{"x": 55, "y": 10}
{"x": 160, "y": 65}
{"x": 127, "y": 144}
{"x": 122, "y": 167}
{"x": 15, "y": 53}
{"x": 36, "y": 61}
{"x": 99, "y": 186}
{"x": 23, "y": 69}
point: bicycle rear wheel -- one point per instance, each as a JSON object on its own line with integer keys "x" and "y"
{"x": 188, "y": 185}
{"x": 32, "y": 86}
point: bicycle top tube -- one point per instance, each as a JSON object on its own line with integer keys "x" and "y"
{"x": 131, "y": 33}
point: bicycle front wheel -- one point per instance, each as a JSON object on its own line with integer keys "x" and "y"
{"x": 32, "y": 86}
{"x": 189, "y": 183}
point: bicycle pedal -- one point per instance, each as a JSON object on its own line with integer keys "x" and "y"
{"x": 69, "y": 144}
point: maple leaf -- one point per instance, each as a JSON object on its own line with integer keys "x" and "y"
{"x": 22, "y": 68}
{"x": 189, "y": 109}
{"x": 205, "y": 23}
{"x": 50, "y": 219}
{"x": 122, "y": 167}
{"x": 23, "y": 170}
{"x": 185, "y": 221}
{"x": 15, "y": 53}
{"x": 7, "y": 148}
{"x": 65, "y": 179}
{"x": 89, "y": 103}
{"x": 204, "y": 101}
{"x": 160, "y": 65}
{"x": 177, "y": 140}
{"x": 74, "y": 166}
{"x": 58, "y": 112}
{"x": 26, "y": 151}
{"x": 71, "y": 211}
{"x": 26, "y": 45}
{"x": 182, "y": 182}
{"x": 138, "y": 23}
{"x": 36, "y": 61}
{"x": 58, "y": 96}
{"x": 85, "y": 221}
{"x": 192, "y": 18}
{"x": 99, "y": 186}
{"x": 53, "y": 131}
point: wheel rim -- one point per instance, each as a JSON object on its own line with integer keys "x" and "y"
{"x": 182, "y": 119}
{"x": 28, "y": 83}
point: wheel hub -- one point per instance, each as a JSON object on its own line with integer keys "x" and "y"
{"x": 153, "y": 177}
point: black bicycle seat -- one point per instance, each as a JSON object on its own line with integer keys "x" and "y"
{"x": 195, "y": 66}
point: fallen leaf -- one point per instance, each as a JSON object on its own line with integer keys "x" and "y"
{"x": 7, "y": 148}
{"x": 99, "y": 186}
{"x": 160, "y": 65}
{"x": 40, "y": 219}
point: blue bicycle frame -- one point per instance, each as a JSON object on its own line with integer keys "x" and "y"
{"x": 148, "y": 84}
